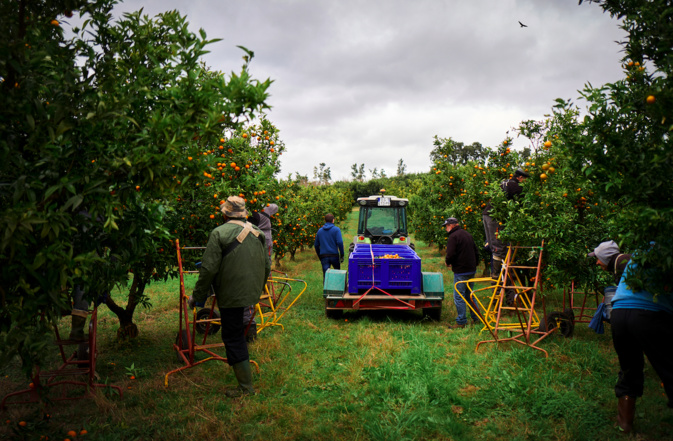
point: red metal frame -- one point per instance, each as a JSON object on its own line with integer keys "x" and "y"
{"x": 70, "y": 367}
{"x": 187, "y": 353}
{"x": 569, "y": 297}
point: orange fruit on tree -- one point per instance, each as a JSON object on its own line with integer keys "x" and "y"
{"x": 551, "y": 170}
{"x": 245, "y": 135}
{"x": 543, "y": 176}
{"x": 83, "y": 432}
{"x": 72, "y": 433}
{"x": 545, "y": 166}
{"x": 547, "y": 144}
{"x": 651, "y": 99}
{"x": 22, "y": 424}
{"x": 212, "y": 216}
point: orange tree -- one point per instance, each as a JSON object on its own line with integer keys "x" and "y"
{"x": 302, "y": 209}
{"x": 242, "y": 163}
{"x": 624, "y": 143}
{"x": 460, "y": 185}
{"x": 557, "y": 204}
{"x": 94, "y": 129}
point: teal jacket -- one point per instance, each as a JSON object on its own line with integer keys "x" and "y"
{"x": 239, "y": 277}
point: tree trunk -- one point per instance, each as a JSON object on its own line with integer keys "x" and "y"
{"x": 128, "y": 329}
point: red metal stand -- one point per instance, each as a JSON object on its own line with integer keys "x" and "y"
{"x": 71, "y": 366}
{"x": 185, "y": 341}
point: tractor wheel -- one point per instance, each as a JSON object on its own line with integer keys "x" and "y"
{"x": 351, "y": 247}
{"x": 333, "y": 313}
{"x": 412, "y": 246}
{"x": 433, "y": 314}
{"x": 204, "y": 314}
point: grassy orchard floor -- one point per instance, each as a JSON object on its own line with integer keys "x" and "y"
{"x": 368, "y": 376}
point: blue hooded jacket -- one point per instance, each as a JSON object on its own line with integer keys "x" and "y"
{"x": 328, "y": 241}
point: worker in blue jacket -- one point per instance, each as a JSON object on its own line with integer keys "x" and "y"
{"x": 329, "y": 245}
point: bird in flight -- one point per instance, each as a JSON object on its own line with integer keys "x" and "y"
{"x": 523, "y": 25}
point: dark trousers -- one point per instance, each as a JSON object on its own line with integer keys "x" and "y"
{"x": 233, "y": 335}
{"x": 636, "y": 332}
{"x": 328, "y": 261}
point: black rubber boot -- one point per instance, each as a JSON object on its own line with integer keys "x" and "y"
{"x": 251, "y": 336}
{"x": 497, "y": 266}
{"x": 243, "y": 372}
{"x": 77, "y": 329}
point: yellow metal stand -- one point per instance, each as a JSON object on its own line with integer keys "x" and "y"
{"x": 279, "y": 298}
{"x": 519, "y": 318}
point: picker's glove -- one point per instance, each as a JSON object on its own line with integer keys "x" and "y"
{"x": 191, "y": 302}
{"x": 342, "y": 259}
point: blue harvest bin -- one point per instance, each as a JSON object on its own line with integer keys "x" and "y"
{"x": 366, "y": 268}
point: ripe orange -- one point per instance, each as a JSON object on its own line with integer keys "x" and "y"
{"x": 551, "y": 170}
{"x": 22, "y": 423}
{"x": 651, "y": 99}
{"x": 545, "y": 166}
{"x": 245, "y": 135}
{"x": 54, "y": 22}
{"x": 189, "y": 158}
{"x": 547, "y": 144}
{"x": 271, "y": 142}
{"x": 83, "y": 432}
{"x": 543, "y": 176}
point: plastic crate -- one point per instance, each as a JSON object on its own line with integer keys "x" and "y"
{"x": 366, "y": 268}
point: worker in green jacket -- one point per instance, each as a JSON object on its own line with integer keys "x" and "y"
{"x": 236, "y": 264}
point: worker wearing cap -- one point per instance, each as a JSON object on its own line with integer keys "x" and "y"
{"x": 641, "y": 326}
{"x": 462, "y": 256}
{"x": 513, "y": 191}
{"x": 236, "y": 264}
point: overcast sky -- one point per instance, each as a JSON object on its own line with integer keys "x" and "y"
{"x": 373, "y": 81}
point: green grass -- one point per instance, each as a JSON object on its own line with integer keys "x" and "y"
{"x": 367, "y": 376}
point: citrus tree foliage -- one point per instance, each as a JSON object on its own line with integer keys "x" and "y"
{"x": 302, "y": 210}
{"x": 557, "y": 204}
{"x": 624, "y": 144}
{"x": 96, "y": 132}
{"x": 243, "y": 163}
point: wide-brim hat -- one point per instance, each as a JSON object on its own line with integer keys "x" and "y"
{"x": 234, "y": 206}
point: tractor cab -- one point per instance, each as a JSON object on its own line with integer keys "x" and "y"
{"x": 383, "y": 220}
